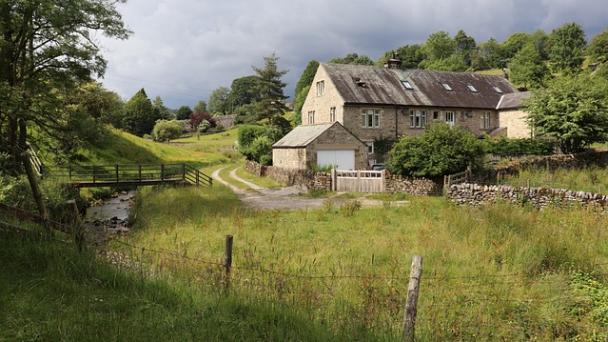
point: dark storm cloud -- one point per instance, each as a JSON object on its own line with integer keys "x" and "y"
{"x": 183, "y": 49}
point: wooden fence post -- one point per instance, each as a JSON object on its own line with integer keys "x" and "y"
{"x": 139, "y": 172}
{"x": 162, "y": 172}
{"x": 412, "y": 299}
{"x": 116, "y": 171}
{"x": 227, "y": 261}
{"x": 77, "y": 227}
{"x": 94, "y": 175}
{"x": 184, "y": 172}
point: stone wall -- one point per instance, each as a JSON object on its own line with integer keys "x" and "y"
{"x": 474, "y": 194}
{"x": 306, "y": 178}
{"x": 413, "y": 186}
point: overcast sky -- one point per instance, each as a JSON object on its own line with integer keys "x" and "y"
{"x": 183, "y": 49}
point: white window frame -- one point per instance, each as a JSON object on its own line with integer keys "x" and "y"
{"x": 450, "y": 118}
{"x": 407, "y": 85}
{"x": 332, "y": 114}
{"x": 370, "y": 147}
{"x": 311, "y": 117}
{"x": 371, "y": 118}
{"x": 320, "y": 88}
{"x": 418, "y": 118}
{"x": 486, "y": 120}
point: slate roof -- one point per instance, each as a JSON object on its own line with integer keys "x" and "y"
{"x": 362, "y": 84}
{"x": 513, "y": 100}
{"x": 301, "y": 136}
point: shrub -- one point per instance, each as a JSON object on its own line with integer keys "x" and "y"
{"x": 517, "y": 147}
{"x": 165, "y": 130}
{"x": 261, "y": 150}
{"x": 253, "y": 147}
{"x": 440, "y": 150}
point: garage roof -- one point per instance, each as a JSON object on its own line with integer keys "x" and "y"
{"x": 301, "y": 136}
{"x": 513, "y": 101}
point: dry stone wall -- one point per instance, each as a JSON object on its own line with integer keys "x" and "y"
{"x": 311, "y": 180}
{"x": 475, "y": 194}
{"x": 412, "y": 186}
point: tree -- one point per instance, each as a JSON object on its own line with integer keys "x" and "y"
{"x": 101, "y": 104}
{"x": 200, "y": 107}
{"x": 139, "y": 114}
{"x": 439, "y": 151}
{"x": 598, "y": 48}
{"x": 197, "y": 118}
{"x": 165, "y": 130}
{"x": 244, "y": 91}
{"x": 465, "y": 45}
{"x": 352, "y": 58}
{"x": 566, "y": 48}
{"x": 183, "y": 113}
{"x": 158, "y": 106}
{"x": 439, "y": 45}
{"x": 514, "y": 43}
{"x": 573, "y": 110}
{"x": 488, "y": 55}
{"x": 298, "y": 103}
{"x": 527, "y": 67}
{"x": 219, "y": 101}
{"x": 410, "y": 55}
{"x": 270, "y": 103}
{"x": 46, "y": 51}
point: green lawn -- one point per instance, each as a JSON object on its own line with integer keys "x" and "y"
{"x": 261, "y": 181}
{"x": 489, "y": 273}
{"x": 591, "y": 179}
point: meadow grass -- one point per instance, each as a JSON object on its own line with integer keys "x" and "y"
{"x": 265, "y": 182}
{"x": 590, "y": 179}
{"x": 48, "y": 292}
{"x": 495, "y": 272}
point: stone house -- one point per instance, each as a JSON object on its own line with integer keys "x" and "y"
{"x": 382, "y": 104}
{"x": 512, "y": 118}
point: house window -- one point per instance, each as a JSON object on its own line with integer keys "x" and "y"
{"x": 320, "y": 88}
{"x": 370, "y": 147}
{"x": 498, "y": 90}
{"x": 446, "y": 86}
{"x": 311, "y": 117}
{"x": 332, "y": 114}
{"x": 472, "y": 89}
{"x": 407, "y": 85}
{"x": 371, "y": 118}
{"x": 435, "y": 115}
{"x": 486, "y": 120}
{"x": 417, "y": 118}
{"x": 450, "y": 118}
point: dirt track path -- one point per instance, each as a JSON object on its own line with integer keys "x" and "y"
{"x": 288, "y": 198}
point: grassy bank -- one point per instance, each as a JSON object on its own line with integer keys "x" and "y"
{"x": 48, "y": 292}
{"x": 489, "y": 273}
{"x": 591, "y": 179}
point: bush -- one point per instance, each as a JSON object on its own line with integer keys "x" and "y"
{"x": 253, "y": 147}
{"x": 261, "y": 150}
{"x": 165, "y": 130}
{"x": 517, "y": 147}
{"x": 440, "y": 150}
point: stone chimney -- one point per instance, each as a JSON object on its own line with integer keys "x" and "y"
{"x": 394, "y": 62}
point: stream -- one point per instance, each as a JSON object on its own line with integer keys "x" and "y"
{"x": 110, "y": 217}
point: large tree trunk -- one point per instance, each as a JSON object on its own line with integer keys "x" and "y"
{"x": 32, "y": 177}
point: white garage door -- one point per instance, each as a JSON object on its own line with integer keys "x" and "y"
{"x": 342, "y": 159}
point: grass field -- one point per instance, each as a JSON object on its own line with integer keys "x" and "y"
{"x": 489, "y": 273}
{"x": 591, "y": 179}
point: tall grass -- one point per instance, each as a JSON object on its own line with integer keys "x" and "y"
{"x": 590, "y": 179}
{"x": 496, "y": 272}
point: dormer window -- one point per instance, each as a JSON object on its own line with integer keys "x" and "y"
{"x": 498, "y": 90}
{"x": 472, "y": 88}
{"x": 320, "y": 88}
{"x": 446, "y": 86}
{"x": 407, "y": 85}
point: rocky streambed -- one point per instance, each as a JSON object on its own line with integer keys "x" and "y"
{"x": 109, "y": 217}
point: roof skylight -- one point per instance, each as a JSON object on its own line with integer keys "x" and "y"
{"x": 407, "y": 85}
{"x": 472, "y": 88}
{"x": 498, "y": 90}
{"x": 446, "y": 86}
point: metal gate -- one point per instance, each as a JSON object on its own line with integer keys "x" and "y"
{"x": 359, "y": 181}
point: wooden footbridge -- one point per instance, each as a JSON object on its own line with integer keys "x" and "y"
{"x": 90, "y": 176}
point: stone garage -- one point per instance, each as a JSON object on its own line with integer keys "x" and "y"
{"x": 327, "y": 144}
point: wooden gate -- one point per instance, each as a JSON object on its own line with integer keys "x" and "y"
{"x": 359, "y": 181}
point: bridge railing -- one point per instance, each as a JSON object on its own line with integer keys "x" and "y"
{"x": 92, "y": 175}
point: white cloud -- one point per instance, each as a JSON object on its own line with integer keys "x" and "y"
{"x": 183, "y": 49}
